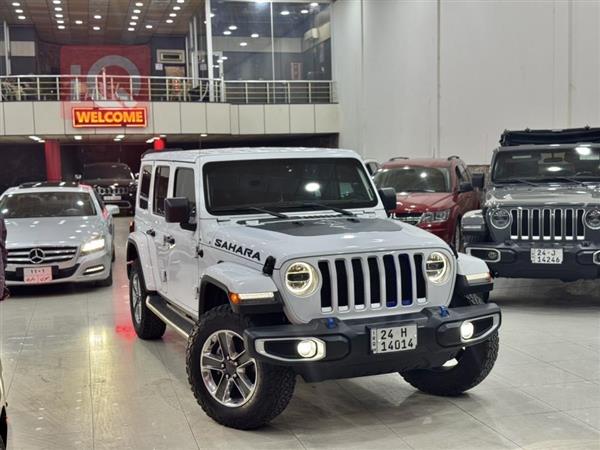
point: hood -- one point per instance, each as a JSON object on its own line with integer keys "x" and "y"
{"x": 291, "y": 239}
{"x": 52, "y": 231}
{"x": 548, "y": 194}
{"x": 110, "y": 182}
{"x": 423, "y": 201}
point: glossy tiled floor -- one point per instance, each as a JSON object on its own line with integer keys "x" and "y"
{"x": 77, "y": 377}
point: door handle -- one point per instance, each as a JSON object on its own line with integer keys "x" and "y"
{"x": 170, "y": 240}
{"x": 151, "y": 232}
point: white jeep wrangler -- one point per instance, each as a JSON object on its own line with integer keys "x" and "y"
{"x": 274, "y": 262}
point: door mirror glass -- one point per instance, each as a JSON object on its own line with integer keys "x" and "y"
{"x": 478, "y": 180}
{"x": 177, "y": 210}
{"x": 465, "y": 186}
{"x": 388, "y": 197}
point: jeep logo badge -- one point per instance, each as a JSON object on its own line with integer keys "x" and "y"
{"x": 37, "y": 255}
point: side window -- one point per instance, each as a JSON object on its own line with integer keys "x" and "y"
{"x": 145, "y": 177}
{"x": 185, "y": 186}
{"x": 161, "y": 186}
{"x": 459, "y": 174}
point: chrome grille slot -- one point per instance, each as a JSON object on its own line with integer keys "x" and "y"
{"x": 547, "y": 224}
{"x": 41, "y": 255}
{"x": 389, "y": 280}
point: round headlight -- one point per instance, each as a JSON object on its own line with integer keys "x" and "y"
{"x": 592, "y": 218}
{"x": 301, "y": 279}
{"x": 500, "y": 218}
{"x": 437, "y": 268}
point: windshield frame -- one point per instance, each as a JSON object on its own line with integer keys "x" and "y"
{"x": 445, "y": 170}
{"x": 290, "y": 206}
{"x": 93, "y": 201}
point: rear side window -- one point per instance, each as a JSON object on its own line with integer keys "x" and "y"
{"x": 161, "y": 186}
{"x": 145, "y": 178}
{"x": 185, "y": 186}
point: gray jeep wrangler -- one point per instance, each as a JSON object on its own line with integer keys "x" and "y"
{"x": 541, "y": 216}
{"x": 278, "y": 262}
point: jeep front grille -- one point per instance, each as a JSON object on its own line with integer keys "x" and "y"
{"x": 41, "y": 255}
{"x": 112, "y": 190}
{"x": 547, "y": 224}
{"x": 371, "y": 282}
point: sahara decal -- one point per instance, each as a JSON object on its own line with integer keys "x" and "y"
{"x": 238, "y": 249}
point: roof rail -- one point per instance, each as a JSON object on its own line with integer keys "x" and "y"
{"x": 398, "y": 157}
{"x": 451, "y": 157}
{"x": 165, "y": 150}
{"x": 34, "y": 184}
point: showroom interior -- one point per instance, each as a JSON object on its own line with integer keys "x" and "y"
{"x": 286, "y": 224}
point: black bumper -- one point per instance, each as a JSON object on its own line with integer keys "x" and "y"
{"x": 513, "y": 260}
{"x": 348, "y": 343}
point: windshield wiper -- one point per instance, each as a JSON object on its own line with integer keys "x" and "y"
{"x": 343, "y": 211}
{"x": 253, "y": 208}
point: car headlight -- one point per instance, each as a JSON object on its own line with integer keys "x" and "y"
{"x": 301, "y": 279}
{"x": 592, "y": 218}
{"x": 94, "y": 245}
{"x": 437, "y": 268}
{"x": 435, "y": 216}
{"x": 500, "y": 218}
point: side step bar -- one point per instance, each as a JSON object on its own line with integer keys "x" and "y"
{"x": 168, "y": 315}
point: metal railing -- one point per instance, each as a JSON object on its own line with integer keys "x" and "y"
{"x": 81, "y": 88}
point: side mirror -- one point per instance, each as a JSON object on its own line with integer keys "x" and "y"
{"x": 177, "y": 210}
{"x": 388, "y": 197}
{"x": 137, "y": 176}
{"x": 465, "y": 186}
{"x": 113, "y": 209}
{"x": 478, "y": 180}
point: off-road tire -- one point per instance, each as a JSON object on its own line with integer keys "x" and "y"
{"x": 150, "y": 327}
{"x": 473, "y": 366}
{"x": 108, "y": 281}
{"x": 275, "y": 385}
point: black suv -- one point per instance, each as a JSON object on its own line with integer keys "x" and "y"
{"x": 114, "y": 183}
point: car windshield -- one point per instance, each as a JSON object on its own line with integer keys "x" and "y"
{"x": 106, "y": 171}
{"x": 414, "y": 179}
{"x": 46, "y": 204}
{"x": 235, "y": 187}
{"x": 547, "y": 164}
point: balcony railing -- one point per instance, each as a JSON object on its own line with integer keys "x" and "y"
{"x": 162, "y": 89}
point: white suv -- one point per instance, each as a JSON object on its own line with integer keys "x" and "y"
{"x": 274, "y": 262}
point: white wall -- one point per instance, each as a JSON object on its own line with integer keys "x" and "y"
{"x": 446, "y": 77}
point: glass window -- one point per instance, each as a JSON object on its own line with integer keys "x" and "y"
{"x": 100, "y": 171}
{"x": 414, "y": 179}
{"x": 145, "y": 177}
{"x": 161, "y": 186}
{"x": 185, "y": 187}
{"x": 47, "y": 204}
{"x": 286, "y": 184}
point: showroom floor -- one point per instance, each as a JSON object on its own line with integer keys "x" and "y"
{"x": 77, "y": 377}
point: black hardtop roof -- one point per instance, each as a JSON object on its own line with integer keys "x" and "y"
{"x": 511, "y": 138}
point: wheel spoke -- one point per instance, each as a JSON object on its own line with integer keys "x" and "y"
{"x": 211, "y": 362}
{"x": 244, "y": 385}
{"x": 242, "y": 358}
{"x": 225, "y": 343}
{"x": 223, "y": 392}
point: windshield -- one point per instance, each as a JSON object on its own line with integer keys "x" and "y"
{"x": 414, "y": 179}
{"x": 103, "y": 171}
{"x": 547, "y": 164}
{"x": 46, "y": 204}
{"x": 234, "y": 187}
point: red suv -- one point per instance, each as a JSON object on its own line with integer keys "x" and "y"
{"x": 432, "y": 194}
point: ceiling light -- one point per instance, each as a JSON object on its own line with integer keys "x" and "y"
{"x": 149, "y": 27}
{"x": 232, "y": 27}
{"x": 224, "y": 58}
{"x": 120, "y": 136}
{"x": 16, "y": 4}
{"x": 169, "y": 20}
{"x": 97, "y": 17}
{"x": 243, "y": 44}
{"x": 173, "y": 15}
{"x": 285, "y": 12}
{"x": 226, "y": 32}
{"x": 19, "y": 11}
{"x": 133, "y": 24}
{"x": 21, "y": 17}
{"x": 135, "y": 17}
{"x": 34, "y": 138}
{"x": 60, "y": 21}
{"x": 96, "y": 28}
{"x": 79, "y": 22}
{"x": 180, "y": 1}
{"x": 254, "y": 35}
{"x": 204, "y": 135}
{"x": 60, "y": 16}
{"x": 176, "y": 8}
{"x": 117, "y": 140}
{"x": 140, "y": 4}
{"x": 58, "y": 8}
{"x": 61, "y": 27}
{"x": 130, "y": 29}
{"x": 304, "y": 11}
{"x": 56, "y": 2}
{"x": 150, "y": 141}
{"x": 137, "y": 11}
{"x": 314, "y": 4}
{"x": 77, "y": 137}
{"x": 212, "y": 14}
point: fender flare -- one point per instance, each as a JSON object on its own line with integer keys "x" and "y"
{"x": 466, "y": 266}
{"x": 143, "y": 255}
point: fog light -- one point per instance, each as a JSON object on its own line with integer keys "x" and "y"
{"x": 307, "y": 349}
{"x": 467, "y": 330}
{"x": 492, "y": 255}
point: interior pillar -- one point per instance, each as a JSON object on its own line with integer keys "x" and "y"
{"x": 53, "y": 165}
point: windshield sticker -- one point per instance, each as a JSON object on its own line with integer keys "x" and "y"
{"x": 237, "y": 249}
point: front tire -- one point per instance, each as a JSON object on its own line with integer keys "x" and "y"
{"x": 233, "y": 389}
{"x": 146, "y": 324}
{"x": 469, "y": 367}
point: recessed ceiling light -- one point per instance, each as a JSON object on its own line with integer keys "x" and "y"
{"x": 176, "y": 8}
{"x": 16, "y": 4}
{"x": 61, "y": 27}
{"x": 60, "y": 21}
{"x": 224, "y": 58}
{"x": 204, "y": 135}
{"x": 137, "y": 11}
{"x": 232, "y": 27}
{"x": 77, "y": 137}
{"x": 96, "y": 28}
{"x": 133, "y": 24}
{"x": 21, "y": 17}
{"x": 130, "y": 29}
{"x": 173, "y": 15}
{"x": 169, "y": 20}
{"x": 60, "y": 16}
{"x": 149, "y": 27}
{"x": 304, "y": 11}
{"x": 212, "y": 14}
{"x": 314, "y": 4}
{"x": 180, "y": 1}
{"x": 243, "y": 44}
{"x": 226, "y": 32}
{"x": 56, "y": 2}
{"x": 58, "y": 8}
{"x": 97, "y": 17}
{"x": 139, "y": 4}
{"x": 135, "y": 17}
{"x": 79, "y": 22}
{"x": 19, "y": 11}
{"x": 285, "y": 12}
{"x": 254, "y": 35}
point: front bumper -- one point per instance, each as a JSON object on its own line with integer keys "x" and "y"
{"x": 513, "y": 260}
{"x": 347, "y": 344}
{"x": 79, "y": 270}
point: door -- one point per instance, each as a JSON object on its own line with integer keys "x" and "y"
{"x": 157, "y": 229}
{"x": 182, "y": 267}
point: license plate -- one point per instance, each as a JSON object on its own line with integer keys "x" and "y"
{"x": 112, "y": 198}
{"x": 37, "y": 275}
{"x": 547, "y": 255}
{"x": 394, "y": 339}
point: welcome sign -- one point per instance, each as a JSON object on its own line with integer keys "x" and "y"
{"x": 109, "y": 117}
